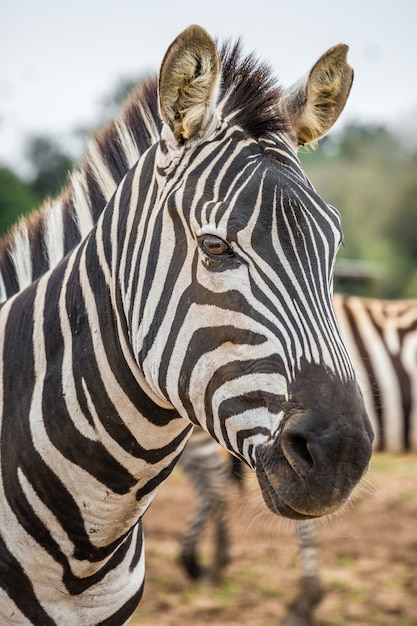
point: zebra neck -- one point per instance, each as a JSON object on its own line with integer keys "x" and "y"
{"x": 101, "y": 430}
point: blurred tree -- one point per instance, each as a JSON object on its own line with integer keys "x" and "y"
{"x": 401, "y": 228}
{"x": 49, "y": 163}
{"x": 15, "y": 199}
{"x": 363, "y": 142}
{"x": 368, "y": 175}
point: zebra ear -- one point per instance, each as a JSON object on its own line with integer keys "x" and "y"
{"x": 187, "y": 84}
{"x": 316, "y": 101}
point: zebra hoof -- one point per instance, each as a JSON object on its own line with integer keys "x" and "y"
{"x": 301, "y": 609}
{"x": 192, "y": 567}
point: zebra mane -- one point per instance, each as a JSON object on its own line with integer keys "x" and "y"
{"x": 250, "y": 94}
{"x": 249, "y": 97}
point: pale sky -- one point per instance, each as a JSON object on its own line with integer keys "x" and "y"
{"x": 60, "y": 59}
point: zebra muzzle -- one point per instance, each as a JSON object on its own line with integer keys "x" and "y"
{"x": 319, "y": 456}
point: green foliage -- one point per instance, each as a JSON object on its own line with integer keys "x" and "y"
{"x": 370, "y": 177}
{"x": 16, "y": 199}
{"x": 50, "y": 164}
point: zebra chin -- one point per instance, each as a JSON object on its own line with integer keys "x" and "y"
{"x": 289, "y": 498}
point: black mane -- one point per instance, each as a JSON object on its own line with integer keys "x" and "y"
{"x": 253, "y": 96}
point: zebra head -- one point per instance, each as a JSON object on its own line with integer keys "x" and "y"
{"x": 233, "y": 325}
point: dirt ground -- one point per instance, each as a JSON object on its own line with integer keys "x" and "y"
{"x": 368, "y": 558}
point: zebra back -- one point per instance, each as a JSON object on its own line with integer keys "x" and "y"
{"x": 382, "y": 338}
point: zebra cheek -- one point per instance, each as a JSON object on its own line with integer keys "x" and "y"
{"x": 222, "y": 277}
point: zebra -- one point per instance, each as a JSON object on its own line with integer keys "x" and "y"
{"x": 381, "y": 336}
{"x": 105, "y": 369}
{"x": 210, "y": 476}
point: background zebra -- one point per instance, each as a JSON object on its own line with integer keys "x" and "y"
{"x": 95, "y": 385}
{"x": 381, "y": 336}
{"x": 210, "y": 477}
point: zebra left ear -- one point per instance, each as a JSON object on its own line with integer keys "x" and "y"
{"x": 316, "y": 101}
{"x": 187, "y": 84}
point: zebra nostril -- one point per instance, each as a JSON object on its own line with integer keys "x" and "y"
{"x": 297, "y": 452}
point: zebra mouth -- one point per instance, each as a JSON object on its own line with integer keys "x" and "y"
{"x": 301, "y": 492}
{"x": 274, "y": 501}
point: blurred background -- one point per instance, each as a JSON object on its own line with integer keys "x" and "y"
{"x": 66, "y": 68}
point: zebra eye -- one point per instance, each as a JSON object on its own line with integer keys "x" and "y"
{"x": 214, "y": 246}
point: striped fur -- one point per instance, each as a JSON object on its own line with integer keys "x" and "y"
{"x": 381, "y": 336}
{"x": 134, "y": 328}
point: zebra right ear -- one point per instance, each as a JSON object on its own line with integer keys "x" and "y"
{"x": 315, "y": 102}
{"x": 187, "y": 84}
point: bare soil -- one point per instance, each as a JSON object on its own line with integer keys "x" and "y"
{"x": 368, "y": 558}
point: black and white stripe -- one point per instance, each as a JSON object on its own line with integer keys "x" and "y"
{"x": 381, "y": 336}
{"x": 200, "y": 294}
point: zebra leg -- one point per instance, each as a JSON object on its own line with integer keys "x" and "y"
{"x": 189, "y": 550}
{"x": 222, "y": 540}
{"x": 300, "y": 611}
{"x": 189, "y": 553}
{"x": 210, "y": 478}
